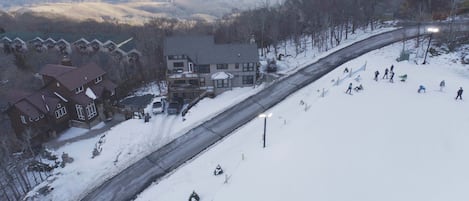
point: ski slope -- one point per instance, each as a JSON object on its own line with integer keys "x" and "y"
{"x": 385, "y": 143}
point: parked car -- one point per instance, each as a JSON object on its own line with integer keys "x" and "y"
{"x": 174, "y": 108}
{"x": 158, "y": 107}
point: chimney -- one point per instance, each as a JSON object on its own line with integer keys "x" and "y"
{"x": 66, "y": 61}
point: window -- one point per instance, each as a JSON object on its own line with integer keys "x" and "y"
{"x": 248, "y": 67}
{"x": 179, "y": 82}
{"x": 91, "y": 110}
{"x": 178, "y": 64}
{"x": 79, "y": 89}
{"x": 202, "y": 69}
{"x": 23, "y": 119}
{"x": 191, "y": 67}
{"x": 194, "y": 82}
{"x": 60, "y": 112}
{"x": 80, "y": 113}
{"x": 98, "y": 79}
{"x": 222, "y": 66}
{"x": 222, "y": 84}
{"x": 176, "y": 57}
{"x": 248, "y": 79}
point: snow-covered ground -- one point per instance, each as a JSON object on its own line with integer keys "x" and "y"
{"x": 293, "y": 62}
{"x": 131, "y": 140}
{"x": 387, "y": 142}
{"x": 74, "y": 132}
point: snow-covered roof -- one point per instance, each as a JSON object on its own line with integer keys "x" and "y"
{"x": 61, "y": 97}
{"x": 222, "y": 76}
{"x": 90, "y": 93}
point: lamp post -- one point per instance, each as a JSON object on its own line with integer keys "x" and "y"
{"x": 265, "y": 116}
{"x": 432, "y": 30}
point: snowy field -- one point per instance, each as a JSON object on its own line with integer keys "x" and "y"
{"x": 385, "y": 143}
{"x": 131, "y": 140}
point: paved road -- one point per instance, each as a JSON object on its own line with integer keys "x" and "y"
{"x": 127, "y": 184}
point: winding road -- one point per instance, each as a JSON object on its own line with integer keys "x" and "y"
{"x": 127, "y": 184}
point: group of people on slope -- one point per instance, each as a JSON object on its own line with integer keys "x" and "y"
{"x": 389, "y": 74}
{"x": 442, "y": 86}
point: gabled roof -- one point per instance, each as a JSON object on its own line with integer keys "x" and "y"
{"x": 81, "y": 40}
{"x": 34, "y": 104}
{"x": 44, "y": 101}
{"x": 73, "y": 77}
{"x": 39, "y": 39}
{"x": 50, "y": 40}
{"x": 203, "y": 50}
{"x": 27, "y": 109}
{"x": 15, "y": 96}
{"x": 55, "y": 70}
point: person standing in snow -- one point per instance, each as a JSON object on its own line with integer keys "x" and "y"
{"x": 349, "y": 89}
{"x": 194, "y": 197}
{"x": 392, "y": 76}
{"x": 459, "y": 94}
{"x": 442, "y": 85}
{"x": 376, "y": 75}
{"x": 392, "y": 68}
{"x": 386, "y": 71}
{"x": 218, "y": 170}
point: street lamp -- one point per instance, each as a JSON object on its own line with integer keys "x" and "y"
{"x": 431, "y": 30}
{"x": 265, "y": 116}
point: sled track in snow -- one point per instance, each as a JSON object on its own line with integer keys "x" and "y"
{"x": 131, "y": 181}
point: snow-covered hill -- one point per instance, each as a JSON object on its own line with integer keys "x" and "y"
{"x": 132, "y": 140}
{"x": 137, "y": 12}
{"x": 385, "y": 143}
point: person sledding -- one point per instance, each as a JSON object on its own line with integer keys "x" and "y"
{"x": 218, "y": 171}
{"x": 421, "y": 89}
{"x": 403, "y": 78}
{"x": 358, "y": 88}
{"x": 194, "y": 197}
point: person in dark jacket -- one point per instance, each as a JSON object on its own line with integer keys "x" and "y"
{"x": 392, "y": 76}
{"x": 218, "y": 170}
{"x": 421, "y": 88}
{"x": 194, "y": 197}
{"x": 376, "y": 75}
{"x": 358, "y": 88}
{"x": 442, "y": 85}
{"x": 392, "y": 68}
{"x": 386, "y": 71}
{"x": 349, "y": 89}
{"x": 459, "y": 94}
